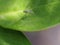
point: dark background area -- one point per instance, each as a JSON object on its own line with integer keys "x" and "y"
{"x": 49, "y": 36}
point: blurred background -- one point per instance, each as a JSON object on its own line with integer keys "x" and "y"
{"x": 49, "y": 36}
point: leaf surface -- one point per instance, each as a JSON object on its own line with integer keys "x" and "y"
{"x": 11, "y": 37}
{"x": 29, "y": 15}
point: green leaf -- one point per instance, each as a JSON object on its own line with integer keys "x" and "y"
{"x": 29, "y": 15}
{"x": 11, "y": 37}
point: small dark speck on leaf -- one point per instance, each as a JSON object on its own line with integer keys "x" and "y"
{"x": 28, "y": 11}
